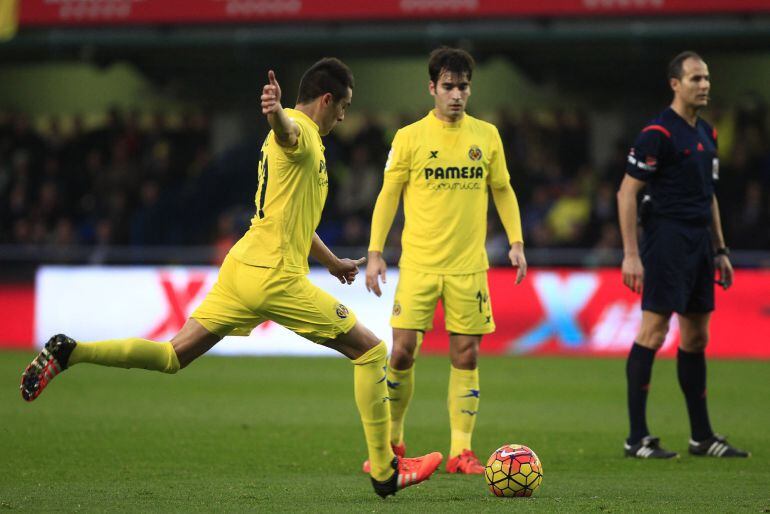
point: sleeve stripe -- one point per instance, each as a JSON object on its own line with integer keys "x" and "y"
{"x": 659, "y": 128}
{"x": 714, "y": 133}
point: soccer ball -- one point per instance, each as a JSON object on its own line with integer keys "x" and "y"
{"x": 513, "y": 470}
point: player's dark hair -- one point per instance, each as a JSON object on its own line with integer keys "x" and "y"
{"x": 329, "y": 75}
{"x": 453, "y": 60}
{"x": 675, "y": 66}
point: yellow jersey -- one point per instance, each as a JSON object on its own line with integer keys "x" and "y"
{"x": 292, "y": 185}
{"x": 446, "y": 169}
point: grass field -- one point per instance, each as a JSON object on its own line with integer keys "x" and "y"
{"x": 282, "y": 434}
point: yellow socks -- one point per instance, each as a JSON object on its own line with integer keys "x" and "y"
{"x": 127, "y": 353}
{"x": 400, "y": 390}
{"x": 463, "y": 403}
{"x": 374, "y": 408}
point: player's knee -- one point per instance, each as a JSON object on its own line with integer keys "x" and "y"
{"x": 695, "y": 343}
{"x": 401, "y": 357}
{"x": 465, "y": 360}
{"x": 652, "y": 338}
{"x": 652, "y": 335}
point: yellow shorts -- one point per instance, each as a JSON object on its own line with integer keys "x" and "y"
{"x": 465, "y": 299}
{"x": 245, "y": 296}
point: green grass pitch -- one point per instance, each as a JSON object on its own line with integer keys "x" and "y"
{"x": 282, "y": 434}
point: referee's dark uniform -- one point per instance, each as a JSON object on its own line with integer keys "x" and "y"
{"x": 679, "y": 164}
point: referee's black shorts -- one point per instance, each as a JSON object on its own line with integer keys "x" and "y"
{"x": 678, "y": 261}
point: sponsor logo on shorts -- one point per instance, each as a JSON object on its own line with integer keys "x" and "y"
{"x": 474, "y": 152}
{"x": 396, "y": 308}
{"x": 342, "y": 311}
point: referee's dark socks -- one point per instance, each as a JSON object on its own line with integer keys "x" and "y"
{"x": 638, "y": 373}
{"x": 691, "y": 370}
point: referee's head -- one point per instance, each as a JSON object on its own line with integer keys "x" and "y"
{"x": 688, "y": 76}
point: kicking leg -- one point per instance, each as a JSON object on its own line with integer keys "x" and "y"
{"x": 62, "y": 352}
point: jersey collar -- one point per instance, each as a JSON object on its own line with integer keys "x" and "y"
{"x": 445, "y": 124}
{"x": 299, "y": 114}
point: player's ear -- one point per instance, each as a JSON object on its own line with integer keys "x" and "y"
{"x": 432, "y": 87}
{"x": 327, "y": 99}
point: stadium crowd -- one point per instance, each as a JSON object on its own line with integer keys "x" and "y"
{"x": 141, "y": 180}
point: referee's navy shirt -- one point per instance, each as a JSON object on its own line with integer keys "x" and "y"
{"x": 680, "y": 166}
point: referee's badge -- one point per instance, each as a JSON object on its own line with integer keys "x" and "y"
{"x": 474, "y": 153}
{"x": 715, "y": 168}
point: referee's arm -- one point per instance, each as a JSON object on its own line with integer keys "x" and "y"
{"x": 722, "y": 261}
{"x": 633, "y": 271}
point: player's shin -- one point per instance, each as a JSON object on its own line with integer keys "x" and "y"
{"x": 371, "y": 394}
{"x": 400, "y": 390}
{"x": 128, "y": 353}
{"x": 463, "y": 403}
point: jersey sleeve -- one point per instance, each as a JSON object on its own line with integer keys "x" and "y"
{"x": 398, "y": 165}
{"x": 651, "y": 148}
{"x": 498, "y": 170}
{"x": 295, "y": 152}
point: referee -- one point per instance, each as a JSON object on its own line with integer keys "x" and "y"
{"x": 682, "y": 246}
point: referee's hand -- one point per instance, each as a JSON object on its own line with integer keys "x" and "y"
{"x": 633, "y": 273}
{"x": 725, "y": 270}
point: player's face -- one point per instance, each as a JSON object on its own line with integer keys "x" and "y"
{"x": 694, "y": 86}
{"x": 451, "y": 93}
{"x": 335, "y": 112}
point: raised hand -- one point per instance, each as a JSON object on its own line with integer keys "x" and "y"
{"x": 271, "y": 95}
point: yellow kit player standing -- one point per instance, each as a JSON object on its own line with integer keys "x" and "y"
{"x": 264, "y": 277}
{"x": 443, "y": 166}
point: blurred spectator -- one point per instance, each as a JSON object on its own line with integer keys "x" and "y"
{"x": 128, "y": 183}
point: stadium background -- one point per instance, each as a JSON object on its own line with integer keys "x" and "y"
{"x": 129, "y": 132}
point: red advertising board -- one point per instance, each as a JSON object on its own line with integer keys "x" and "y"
{"x": 592, "y": 313}
{"x": 17, "y": 307}
{"x": 560, "y": 311}
{"x": 114, "y": 12}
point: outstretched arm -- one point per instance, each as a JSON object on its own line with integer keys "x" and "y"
{"x": 508, "y": 209}
{"x": 285, "y": 130}
{"x": 344, "y": 269}
{"x": 384, "y": 211}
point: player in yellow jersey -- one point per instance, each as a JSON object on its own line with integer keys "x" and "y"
{"x": 443, "y": 166}
{"x": 264, "y": 277}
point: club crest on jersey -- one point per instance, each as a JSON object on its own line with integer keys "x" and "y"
{"x": 342, "y": 311}
{"x": 474, "y": 153}
{"x": 396, "y": 308}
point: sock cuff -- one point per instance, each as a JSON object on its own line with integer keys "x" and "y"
{"x": 468, "y": 374}
{"x": 642, "y": 352}
{"x": 400, "y": 373}
{"x": 378, "y": 353}
{"x": 684, "y": 354}
{"x": 172, "y": 366}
